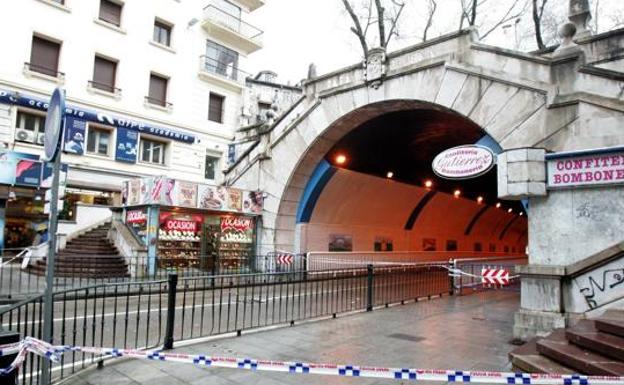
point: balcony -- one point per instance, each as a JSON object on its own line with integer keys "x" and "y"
{"x": 251, "y": 5}
{"x": 103, "y": 89}
{"x": 222, "y": 74}
{"x": 232, "y": 30}
{"x": 34, "y": 70}
{"x": 158, "y": 104}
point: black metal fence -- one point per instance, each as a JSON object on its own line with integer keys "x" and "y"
{"x": 156, "y": 313}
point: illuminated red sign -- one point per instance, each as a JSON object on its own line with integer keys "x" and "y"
{"x": 174, "y": 224}
{"x": 236, "y": 223}
{"x": 136, "y": 216}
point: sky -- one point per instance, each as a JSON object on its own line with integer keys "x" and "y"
{"x": 299, "y": 32}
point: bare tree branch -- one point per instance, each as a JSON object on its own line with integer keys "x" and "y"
{"x": 357, "y": 27}
{"x": 508, "y": 16}
{"x": 538, "y": 13}
{"x": 381, "y": 21}
{"x": 394, "y": 21}
{"x": 433, "y": 5}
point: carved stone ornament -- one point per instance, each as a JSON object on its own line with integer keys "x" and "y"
{"x": 375, "y": 67}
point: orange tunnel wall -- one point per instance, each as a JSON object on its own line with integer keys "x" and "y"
{"x": 366, "y": 208}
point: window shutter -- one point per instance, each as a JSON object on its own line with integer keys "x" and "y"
{"x": 44, "y": 56}
{"x": 104, "y": 73}
{"x": 110, "y": 12}
{"x": 158, "y": 89}
{"x": 215, "y": 108}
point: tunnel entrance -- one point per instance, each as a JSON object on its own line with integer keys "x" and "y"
{"x": 375, "y": 191}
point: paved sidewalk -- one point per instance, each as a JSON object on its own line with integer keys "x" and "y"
{"x": 465, "y": 333}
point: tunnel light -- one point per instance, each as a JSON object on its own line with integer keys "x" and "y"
{"x": 428, "y": 183}
{"x": 389, "y": 175}
{"x": 479, "y": 200}
{"x": 498, "y": 205}
{"x": 457, "y": 193}
{"x": 521, "y": 213}
{"x": 510, "y": 211}
{"x": 341, "y": 159}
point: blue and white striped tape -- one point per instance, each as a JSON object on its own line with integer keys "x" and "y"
{"x": 53, "y": 353}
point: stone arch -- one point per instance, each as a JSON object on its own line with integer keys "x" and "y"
{"x": 510, "y": 113}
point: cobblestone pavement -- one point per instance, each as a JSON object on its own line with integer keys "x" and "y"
{"x": 469, "y": 332}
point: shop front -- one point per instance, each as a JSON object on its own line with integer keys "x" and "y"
{"x": 193, "y": 226}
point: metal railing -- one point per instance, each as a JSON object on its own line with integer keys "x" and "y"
{"x": 158, "y": 102}
{"x": 158, "y": 313}
{"x": 232, "y": 22}
{"x": 21, "y": 277}
{"x": 222, "y": 69}
{"x": 104, "y": 87}
{"x": 53, "y": 72}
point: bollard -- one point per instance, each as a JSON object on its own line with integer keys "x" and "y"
{"x": 171, "y": 303}
{"x": 369, "y": 287}
{"x": 8, "y": 337}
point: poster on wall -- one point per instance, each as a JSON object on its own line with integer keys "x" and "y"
{"x": 383, "y": 244}
{"x": 147, "y": 186}
{"x": 134, "y": 192}
{"x": 235, "y": 199}
{"x": 340, "y": 242}
{"x": 185, "y": 194}
{"x": 126, "y": 147}
{"x": 211, "y": 197}
{"x": 253, "y": 202}
{"x": 46, "y": 177}
{"x": 75, "y": 133}
{"x": 168, "y": 186}
{"x": 236, "y": 229}
{"x": 9, "y": 161}
{"x": 28, "y": 173}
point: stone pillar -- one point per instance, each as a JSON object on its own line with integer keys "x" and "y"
{"x": 521, "y": 173}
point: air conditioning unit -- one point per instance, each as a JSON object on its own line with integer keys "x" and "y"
{"x": 24, "y": 135}
{"x": 40, "y": 138}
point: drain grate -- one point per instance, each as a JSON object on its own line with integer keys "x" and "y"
{"x": 406, "y": 337}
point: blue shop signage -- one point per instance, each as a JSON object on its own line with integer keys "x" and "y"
{"x": 75, "y": 134}
{"x": 16, "y": 98}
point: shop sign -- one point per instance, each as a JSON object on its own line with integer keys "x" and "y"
{"x": 236, "y": 224}
{"x": 174, "y": 224}
{"x": 19, "y": 99}
{"x": 136, "y": 216}
{"x": 463, "y": 162}
{"x": 185, "y": 194}
{"x": 603, "y": 167}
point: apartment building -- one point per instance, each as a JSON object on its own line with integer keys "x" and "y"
{"x": 153, "y": 88}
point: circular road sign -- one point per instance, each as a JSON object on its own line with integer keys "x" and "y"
{"x": 54, "y": 123}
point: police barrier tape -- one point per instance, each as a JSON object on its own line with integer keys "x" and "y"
{"x": 53, "y": 353}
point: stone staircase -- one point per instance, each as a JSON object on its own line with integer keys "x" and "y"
{"x": 91, "y": 255}
{"x": 591, "y": 347}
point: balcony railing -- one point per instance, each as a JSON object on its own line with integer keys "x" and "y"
{"x": 53, "y": 72}
{"x": 104, "y": 87}
{"x": 158, "y": 102}
{"x": 232, "y": 22}
{"x": 228, "y": 71}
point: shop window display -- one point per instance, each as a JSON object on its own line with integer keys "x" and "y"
{"x": 179, "y": 240}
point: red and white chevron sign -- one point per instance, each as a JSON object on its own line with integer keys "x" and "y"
{"x": 285, "y": 259}
{"x": 495, "y": 277}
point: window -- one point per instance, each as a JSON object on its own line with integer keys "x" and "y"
{"x": 110, "y": 12}
{"x": 221, "y": 60}
{"x": 104, "y": 74}
{"x": 153, "y": 151}
{"x": 98, "y": 141}
{"x": 158, "y": 90}
{"x": 263, "y": 108}
{"x": 215, "y": 108}
{"x": 451, "y": 245}
{"x": 212, "y": 163}
{"x": 44, "y": 56}
{"x": 30, "y": 128}
{"x": 162, "y": 33}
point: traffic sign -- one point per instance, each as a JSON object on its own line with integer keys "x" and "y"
{"x": 54, "y": 124}
{"x": 285, "y": 259}
{"x": 494, "y": 277}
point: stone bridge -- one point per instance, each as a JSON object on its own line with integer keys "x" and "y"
{"x": 530, "y": 106}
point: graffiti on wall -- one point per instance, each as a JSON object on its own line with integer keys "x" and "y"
{"x": 602, "y": 286}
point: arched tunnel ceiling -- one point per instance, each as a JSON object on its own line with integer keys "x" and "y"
{"x": 406, "y": 142}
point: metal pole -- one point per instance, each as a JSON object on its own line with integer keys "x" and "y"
{"x": 171, "y": 303}
{"x": 48, "y": 305}
{"x": 369, "y": 285}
